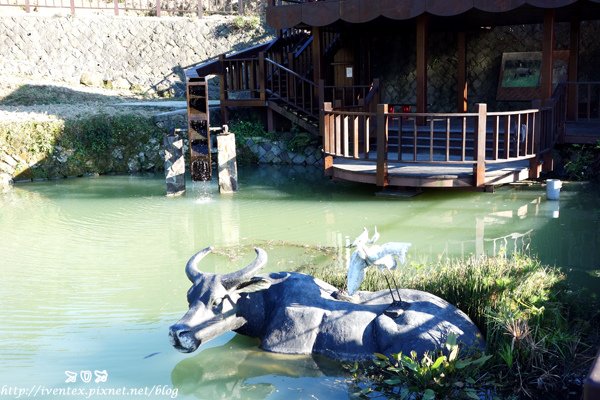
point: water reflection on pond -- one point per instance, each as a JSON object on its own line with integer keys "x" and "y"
{"x": 93, "y": 268}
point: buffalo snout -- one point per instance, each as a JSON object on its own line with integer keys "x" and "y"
{"x": 183, "y": 339}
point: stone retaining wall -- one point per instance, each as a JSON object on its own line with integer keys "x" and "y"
{"x": 125, "y": 52}
{"x": 276, "y": 152}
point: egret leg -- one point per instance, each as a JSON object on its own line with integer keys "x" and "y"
{"x": 389, "y": 287}
{"x": 395, "y": 285}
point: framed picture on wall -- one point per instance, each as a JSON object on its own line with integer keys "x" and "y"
{"x": 520, "y": 74}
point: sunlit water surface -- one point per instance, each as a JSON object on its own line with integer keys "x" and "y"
{"x": 92, "y": 270}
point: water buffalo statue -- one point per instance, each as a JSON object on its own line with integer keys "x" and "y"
{"x": 296, "y": 313}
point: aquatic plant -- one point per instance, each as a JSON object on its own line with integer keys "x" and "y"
{"x": 541, "y": 334}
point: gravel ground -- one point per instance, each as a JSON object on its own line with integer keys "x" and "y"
{"x": 78, "y": 101}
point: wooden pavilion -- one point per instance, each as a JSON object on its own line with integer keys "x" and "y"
{"x": 390, "y": 87}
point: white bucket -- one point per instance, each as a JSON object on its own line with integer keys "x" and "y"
{"x": 553, "y": 189}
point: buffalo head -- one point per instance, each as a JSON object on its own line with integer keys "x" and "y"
{"x": 213, "y": 299}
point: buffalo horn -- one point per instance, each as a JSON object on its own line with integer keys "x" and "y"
{"x": 191, "y": 268}
{"x": 235, "y": 278}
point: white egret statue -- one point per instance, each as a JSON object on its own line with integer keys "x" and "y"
{"x": 385, "y": 257}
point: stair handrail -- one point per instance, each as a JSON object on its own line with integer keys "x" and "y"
{"x": 306, "y": 44}
{"x": 289, "y": 71}
{"x": 298, "y": 88}
{"x": 373, "y": 94}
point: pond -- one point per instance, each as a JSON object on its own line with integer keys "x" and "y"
{"x": 93, "y": 271}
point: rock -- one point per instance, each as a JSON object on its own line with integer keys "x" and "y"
{"x": 5, "y": 182}
{"x": 91, "y": 79}
{"x": 133, "y": 165}
{"x": 121, "y": 83}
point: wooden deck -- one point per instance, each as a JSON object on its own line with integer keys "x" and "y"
{"x": 430, "y": 174}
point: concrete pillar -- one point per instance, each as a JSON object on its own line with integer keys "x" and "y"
{"x": 228, "y": 180}
{"x": 174, "y": 163}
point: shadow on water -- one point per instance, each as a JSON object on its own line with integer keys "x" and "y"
{"x": 239, "y": 369}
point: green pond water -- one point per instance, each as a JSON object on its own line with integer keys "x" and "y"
{"x": 93, "y": 271}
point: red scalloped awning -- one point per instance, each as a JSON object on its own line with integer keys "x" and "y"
{"x": 321, "y": 13}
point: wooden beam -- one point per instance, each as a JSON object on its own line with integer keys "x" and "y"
{"x": 382, "y": 161}
{"x": 480, "y": 139}
{"x": 422, "y": 44}
{"x": 547, "y": 50}
{"x": 572, "y": 106}
{"x": 316, "y": 54}
{"x": 461, "y": 73}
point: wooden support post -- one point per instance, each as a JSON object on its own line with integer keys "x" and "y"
{"x": 316, "y": 54}
{"x": 262, "y": 84}
{"x": 534, "y": 163}
{"x": 321, "y": 95}
{"x": 116, "y": 6}
{"x": 158, "y": 8}
{"x": 228, "y": 179}
{"x": 200, "y": 8}
{"x": 422, "y": 45}
{"x": 572, "y": 101}
{"x": 270, "y": 120}
{"x": 174, "y": 163}
{"x": 461, "y": 65}
{"x": 325, "y": 127}
{"x": 28, "y": 6}
{"x": 382, "y": 131}
{"x": 547, "y": 58}
{"x": 73, "y": 7}
{"x": 480, "y": 137}
{"x": 223, "y": 90}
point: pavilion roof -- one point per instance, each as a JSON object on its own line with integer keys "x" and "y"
{"x": 475, "y": 12}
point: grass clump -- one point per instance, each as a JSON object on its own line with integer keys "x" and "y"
{"x": 541, "y": 336}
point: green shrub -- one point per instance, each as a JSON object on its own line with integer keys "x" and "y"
{"x": 442, "y": 374}
{"x": 539, "y": 333}
{"x": 583, "y": 162}
{"x": 57, "y": 148}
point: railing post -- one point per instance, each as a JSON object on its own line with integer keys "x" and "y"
{"x": 27, "y": 7}
{"x": 72, "y": 7}
{"x": 534, "y": 164}
{"x": 158, "y": 8}
{"x": 223, "y": 89}
{"x": 382, "y": 131}
{"x": 321, "y": 92}
{"x": 480, "y": 137}
{"x": 240, "y": 7}
{"x": 116, "y": 6}
{"x": 325, "y": 127}
{"x": 262, "y": 76}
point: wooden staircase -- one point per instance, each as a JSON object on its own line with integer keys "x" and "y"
{"x": 276, "y": 75}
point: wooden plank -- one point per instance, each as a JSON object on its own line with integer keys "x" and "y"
{"x": 447, "y": 139}
{"x": 338, "y": 136}
{"x": 479, "y": 168}
{"x": 346, "y": 136}
{"x": 355, "y": 131}
{"x": 367, "y": 121}
{"x": 382, "y": 130}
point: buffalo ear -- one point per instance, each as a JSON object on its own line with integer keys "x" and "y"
{"x": 253, "y": 285}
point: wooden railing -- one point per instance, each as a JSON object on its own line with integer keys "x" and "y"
{"x": 347, "y": 96}
{"x": 242, "y": 78}
{"x": 584, "y": 100}
{"x": 291, "y": 88}
{"x": 144, "y": 7}
{"x": 445, "y": 138}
